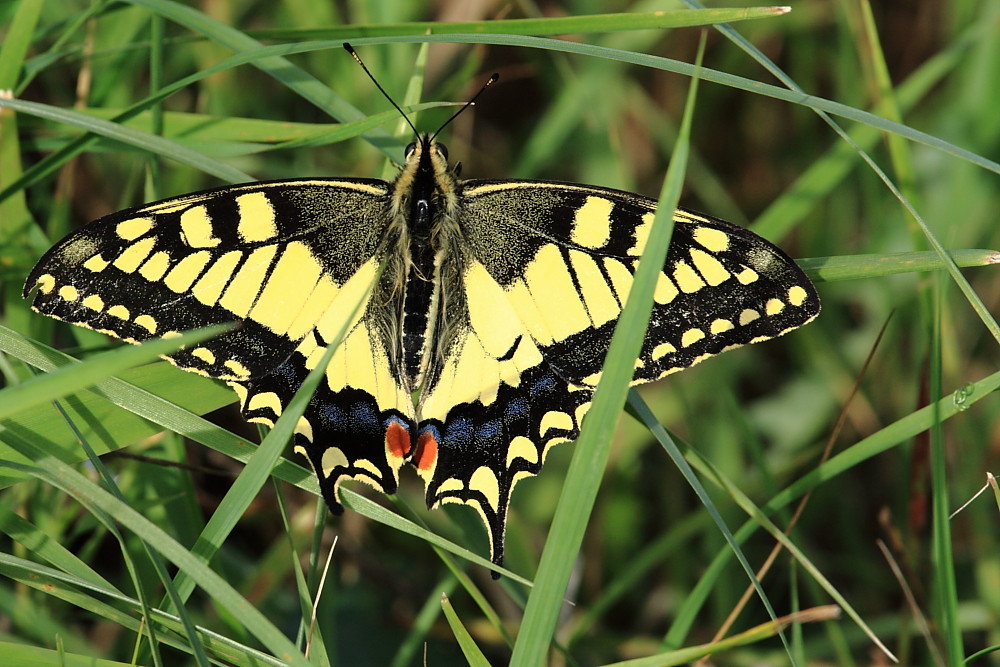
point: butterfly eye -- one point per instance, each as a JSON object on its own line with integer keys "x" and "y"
{"x": 442, "y": 150}
{"x": 410, "y": 147}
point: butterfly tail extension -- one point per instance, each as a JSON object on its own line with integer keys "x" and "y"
{"x": 481, "y": 449}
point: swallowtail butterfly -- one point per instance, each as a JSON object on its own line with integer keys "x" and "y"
{"x": 491, "y": 301}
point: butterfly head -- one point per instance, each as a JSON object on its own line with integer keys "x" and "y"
{"x": 427, "y": 156}
{"x": 426, "y": 185}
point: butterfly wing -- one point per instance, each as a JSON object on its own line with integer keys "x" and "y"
{"x": 568, "y": 272}
{"x": 293, "y": 263}
{"x": 547, "y": 271}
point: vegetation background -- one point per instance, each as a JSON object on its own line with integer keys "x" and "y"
{"x": 655, "y": 573}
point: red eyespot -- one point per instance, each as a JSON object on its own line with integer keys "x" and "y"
{"x": 427, "y": 450}
{"x": 397, "y": 439}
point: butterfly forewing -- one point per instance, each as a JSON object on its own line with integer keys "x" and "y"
{"x": 567, "y": 263}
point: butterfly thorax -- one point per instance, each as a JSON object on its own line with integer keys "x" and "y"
{"x": 424, "y": 201}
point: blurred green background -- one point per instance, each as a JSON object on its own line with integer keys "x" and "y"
{"x": 760, "y": 415}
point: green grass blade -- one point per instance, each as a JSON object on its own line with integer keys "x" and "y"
{"x": 740, "y": 83}
{"x": 280, "y": 68}
{"x": 17, "y": 42}
{"x": 36, "y": 656}
{"x": 68, "y": 380}
{"x": 852, "y": 267}
{"x": 707, "y": 469}
{"x": 473, "y": 655}
{"x": 592, "y": 447}
{"x": 131, "y": 137}
{"x": 115, "y": 607}
{"x": 889, "y": 436}
{"x": 945, "y": 592}
{"x": 554, "y": 25}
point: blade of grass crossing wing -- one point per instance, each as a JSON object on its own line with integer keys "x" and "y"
{"x": 592, "y": 447}
{"x": 140, "y": 401}
{"x": 262, "y": 462}
{"x": 86, "y": 373}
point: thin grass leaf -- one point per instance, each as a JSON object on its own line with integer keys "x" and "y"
{"x": 755, "y": 634}
{"x": 36, "y": 656}
{"x": 887, "y": 437}
{"x": 73, "y": 378}
{"x": 83, "y": 594}
{"x": 591, "y": 452}
{"x": 713, "y": 76}
{"x": 17, "y": 42}
{"x": 295, "y": 78}
{"x": 131, "y": 137}
{"x": 852, "y": 267}
{"x": 34, "y": 540}
{"x": 553, "y": 25}
{"x": 473, "y": 655}
{"x": 709, "y": 470}
{"x": 423, "y": 623}
{"x": 828, "y": 171}
{"x": 945, "y": 602}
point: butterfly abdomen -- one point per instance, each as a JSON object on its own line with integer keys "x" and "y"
{"x": 418, "y": 303}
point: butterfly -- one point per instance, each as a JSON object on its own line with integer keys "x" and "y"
{"x": 475, "y": 314}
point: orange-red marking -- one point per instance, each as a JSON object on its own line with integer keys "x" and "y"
{"x": 427, "y": 451}
{"x": 397, "y": 439}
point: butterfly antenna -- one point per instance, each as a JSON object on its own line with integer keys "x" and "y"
{"x": 354, "y": 54}
{"x": 472, "y": 102}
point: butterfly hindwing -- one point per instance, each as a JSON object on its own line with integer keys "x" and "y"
{"x": 492, "y": 407}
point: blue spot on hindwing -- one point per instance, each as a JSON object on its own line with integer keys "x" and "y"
{"x": 517, "y": 408}
{"x": 364, "y": 417}
{"x": 433, "y": 430}
{"x": 543, "y": 384}
{"x": 489, "y": 431}
{"x": 394, "y": 418}
{"x": 458, "y": 432}
{"x": 332, "y": 414}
